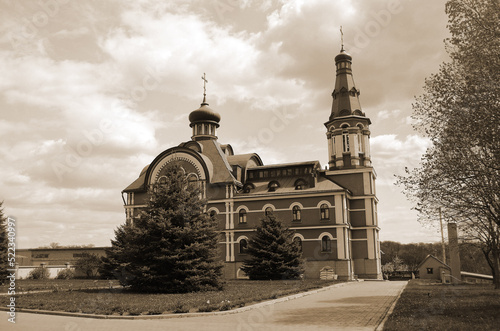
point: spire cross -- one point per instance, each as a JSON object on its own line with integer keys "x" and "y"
{"x": 341, "y": 39}
{"x": 205, "y": 81}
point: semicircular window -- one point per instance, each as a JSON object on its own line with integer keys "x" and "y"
{"x": 273, "y": 186}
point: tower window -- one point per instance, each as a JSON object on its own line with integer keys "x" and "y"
{"x": 296, "y": 212}
{"x": 326, "y": 244}
{"x": 242, "y": 216}
{"x": 324, "y": 211}
{"x": 268, "y": 211}
{"x": 345, "y": 142}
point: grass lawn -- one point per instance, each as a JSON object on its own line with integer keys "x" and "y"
{"x": 237, "y": 293}
{"x": 27, "y": 285}
{"x": 430, "y": 306}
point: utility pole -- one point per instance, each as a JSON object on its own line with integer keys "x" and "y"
{"x": 442, "y": 236}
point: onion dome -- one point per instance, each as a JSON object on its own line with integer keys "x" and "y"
{"x": 204, "y": 114}
{"x": 343, "y": 56}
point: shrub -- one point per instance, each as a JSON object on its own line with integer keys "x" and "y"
{"x": 39, "y": 273}
{"x": 66, "y": 274}
{"x": 208, "y": 308}
{"x": 180, "y": 309}
{"x": 225, "y": 305}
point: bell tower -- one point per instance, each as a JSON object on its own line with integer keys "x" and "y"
{"x": 347, "y": 128}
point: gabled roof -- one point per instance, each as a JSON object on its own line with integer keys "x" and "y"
{"x": 243, "y": 159}
{"x": 138, "y": 184}
{"x": 430, "y": 256}
{"x": 222, "y": 171}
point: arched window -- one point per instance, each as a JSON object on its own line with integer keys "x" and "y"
{"x": 242, "y": 216}
{"x": 326, "y": 244}
{"x": 213, "y": 213}
{"x": 248, "y": 187}
{"x": 324, "y": 211}
{"x": 298, "y": 242}
{"x": 345, "y": 142}
{"x": 268, "y": 211}
{"x": 192, "y": 180}
{"x": 273, "y": 186}
{"x": 243, "y": 246}
{"x": 300, "y": 184}
{"x": 296, "y": 213}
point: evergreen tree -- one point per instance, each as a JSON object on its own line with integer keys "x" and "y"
{"x": 172, "y": 247}
{"x": 4, "y": 244}
{"x": 274, "y": 253}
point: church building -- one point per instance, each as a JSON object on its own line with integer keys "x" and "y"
{"x": 333, "y": 211}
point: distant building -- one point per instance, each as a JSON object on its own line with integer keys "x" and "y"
{"x": 54, "y": 259}
{"x": 55, "y": 256}
{"x": 333, "y": 211}
{"x": 433, "y": 268}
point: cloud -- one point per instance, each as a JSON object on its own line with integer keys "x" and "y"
{"x": 390, "y": 151}
{"x": 103, "y": 87}
{"x": 386, "y": 114}
{"x": 72, "y": 33}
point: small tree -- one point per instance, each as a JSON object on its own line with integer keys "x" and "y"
{"x": 4, "y": 243}
{"x": 172, "y": 247}
{"x": 274, "y": 253}
{"x": 39, "y": 273}
{"x": 89, "y": 265}
{"x": 65, "y": 274}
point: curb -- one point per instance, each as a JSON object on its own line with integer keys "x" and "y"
{"x": 182, "y": 315}
{"x": 388, "y": 313}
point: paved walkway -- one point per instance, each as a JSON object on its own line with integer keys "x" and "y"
{"x": 355, "y": 306}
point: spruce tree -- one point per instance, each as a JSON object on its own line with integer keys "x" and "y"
{"x": 274, "y": 254}
{"x": 4, "y": 243}
{"x": 172, "y": 247}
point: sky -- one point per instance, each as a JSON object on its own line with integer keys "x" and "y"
{"x": 92, "y": 91}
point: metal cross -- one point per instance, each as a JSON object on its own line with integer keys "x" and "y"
{"x": 341, "y": 39}
{"x": 205, "y": 81}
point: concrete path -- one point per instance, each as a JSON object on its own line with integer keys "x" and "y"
{"x": 355, "y": 306}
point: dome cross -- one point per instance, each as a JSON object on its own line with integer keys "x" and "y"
{"x": 205, "y": 81}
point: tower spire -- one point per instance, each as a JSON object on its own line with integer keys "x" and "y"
{"x": 347, "y": 126}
